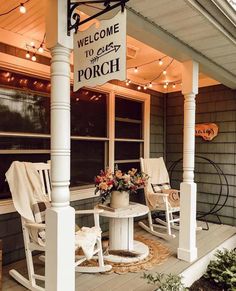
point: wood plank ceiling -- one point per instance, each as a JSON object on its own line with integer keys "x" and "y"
{"x": 31, "y": 24}
{"x": 186, "y": 23}
{"x": 178, "y": 18}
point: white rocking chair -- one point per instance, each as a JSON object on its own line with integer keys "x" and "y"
{"x": 158, "y": 175}
{"x": 30, "y": 245}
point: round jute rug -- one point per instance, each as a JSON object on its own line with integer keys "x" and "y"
{"x": 158, "y": 253}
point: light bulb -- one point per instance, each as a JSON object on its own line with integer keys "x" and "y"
{"x": 150, "y": 85}
{"x": 33, "y": 58}
{"x": 32, "y": 44}
{"x": 167, "y": 83}
{"x": 40, "y": 49}
{"x": 165, "y": 86}
{"x": 129, "y": 81}
{"x": 164, "y": 72}
{"x": 27, "y": 55}
{"x": 173, "y": 86}
{"x": 136, "y": 70}
{"x": 160, "y": 62}
{"x": 139, "y": 87}
{"x": 145, "y": 87}
{"x": 22, "y": 8}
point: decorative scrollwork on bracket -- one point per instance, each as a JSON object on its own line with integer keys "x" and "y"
{"x": 71, "y": 6}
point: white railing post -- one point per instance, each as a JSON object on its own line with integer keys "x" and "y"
{"x": 187, "y": 250}
{"x": 60, "y": 219}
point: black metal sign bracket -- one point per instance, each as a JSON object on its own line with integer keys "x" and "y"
{"x": 71, "y": 6}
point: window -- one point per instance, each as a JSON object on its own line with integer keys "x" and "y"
{"x": 89, "y": 136}
{"x": 128, "y": 132}
{"x": 107, "y": 128}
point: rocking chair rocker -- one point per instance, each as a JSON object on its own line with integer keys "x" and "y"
{"x": 158, "y": 198}
{"x": 35, "y": 178}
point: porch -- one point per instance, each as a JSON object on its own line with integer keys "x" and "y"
{"x": 218, "y": 236}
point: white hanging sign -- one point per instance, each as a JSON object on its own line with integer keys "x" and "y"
{"x": 100, "y": 53}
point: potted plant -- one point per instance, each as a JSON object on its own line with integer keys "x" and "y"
{"x": 118, "y": 185}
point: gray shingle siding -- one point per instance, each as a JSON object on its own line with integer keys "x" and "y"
{"x": 157, "y": 121}
{"x": 215, "y": 104}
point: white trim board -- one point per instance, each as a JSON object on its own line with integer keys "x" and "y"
{"x": 197, "y": 269}
{"x": 6, "y": 205}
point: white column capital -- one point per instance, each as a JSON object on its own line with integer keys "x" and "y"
{"x": 56, "y": 24}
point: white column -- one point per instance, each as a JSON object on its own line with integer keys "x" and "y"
{"x": 60, "y": 269}
{"x": 187, "y": 250}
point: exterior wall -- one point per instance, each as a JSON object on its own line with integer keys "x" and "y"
{"x": 157, "y": 126}
{"x": 215, "y": 104}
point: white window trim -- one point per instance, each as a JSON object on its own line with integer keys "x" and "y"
{"x": 6, "y": 206}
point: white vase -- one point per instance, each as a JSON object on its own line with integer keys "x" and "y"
{"x": 119, "y": 199}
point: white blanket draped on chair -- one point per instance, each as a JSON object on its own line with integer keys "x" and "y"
{"x": 26, "y": 189}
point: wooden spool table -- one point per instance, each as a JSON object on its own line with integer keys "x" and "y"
{"x": 121, "y": 232}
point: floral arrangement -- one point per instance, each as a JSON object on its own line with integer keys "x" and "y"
{"x": 108, "y": 181}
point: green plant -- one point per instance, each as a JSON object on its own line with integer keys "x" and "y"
{"x": 165, "y": 282}
{"x": 223, "y": 269}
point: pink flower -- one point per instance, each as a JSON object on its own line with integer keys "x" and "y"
{"x": 103, "y": 186}
{"x": 118, "y": 174}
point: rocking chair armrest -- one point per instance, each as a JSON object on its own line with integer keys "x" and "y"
{"x": 35, "y": 225}
{"x": 161, "y": 194}
{"x": 90, "y": 211}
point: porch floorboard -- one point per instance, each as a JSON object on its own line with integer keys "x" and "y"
{"x": 206, "y": 242}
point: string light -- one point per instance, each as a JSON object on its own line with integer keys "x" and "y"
{"x": 160, "y": 61}
{"x": 34, "y": 58}
{"x": 150, "y": 85}
{"x": 21, "y": 7}
{"x": 27, "y": 55}
{"x": 40, "y": 49}
{"x": 33, "y": 49}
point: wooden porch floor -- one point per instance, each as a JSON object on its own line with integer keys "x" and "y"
{"x": 206, "y": 242}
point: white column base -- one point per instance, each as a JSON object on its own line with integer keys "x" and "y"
{"x": 187, "y": 255}
{"x": 187, "y": 250}
{"x": 60, "y": 249}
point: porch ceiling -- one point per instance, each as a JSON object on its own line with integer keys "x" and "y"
{"x": 156, "y": 28}
{"x": 202, "y": 30}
